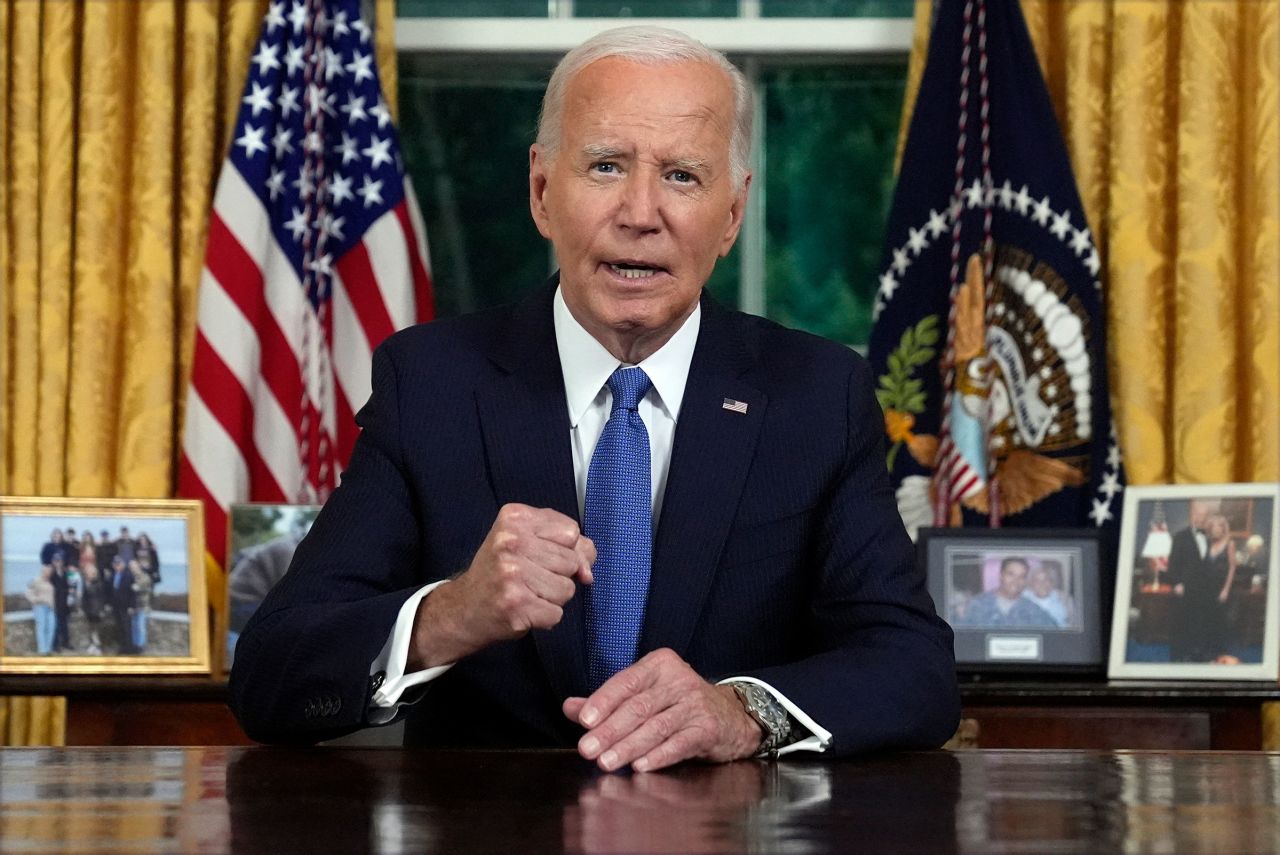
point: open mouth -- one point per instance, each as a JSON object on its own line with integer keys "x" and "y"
{"x": 635, "y": 269}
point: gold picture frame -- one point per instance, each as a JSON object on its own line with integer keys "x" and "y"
{"x": 134, "y": 602}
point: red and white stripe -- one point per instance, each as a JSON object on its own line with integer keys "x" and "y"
{"x": 243, "y": 437}
{"x": 955, "y": 477}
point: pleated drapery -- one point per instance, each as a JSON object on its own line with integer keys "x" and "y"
{"x": 114, "y": 123}
{"x": 1170, "y": 113}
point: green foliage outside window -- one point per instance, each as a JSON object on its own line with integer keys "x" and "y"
{"x": 830, "y": 137}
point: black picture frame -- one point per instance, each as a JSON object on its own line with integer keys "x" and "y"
{"x": 261, "y": 539}
{"x": 1063, "y": 630}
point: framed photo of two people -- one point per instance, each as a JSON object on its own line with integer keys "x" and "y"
{"x": 1194, "y": 596}
{"x": 102, "y": 586}
{"x": 1018, "y": 599}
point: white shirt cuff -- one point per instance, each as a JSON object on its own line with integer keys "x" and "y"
{"x": 387, "y": 700}
{"x": 819, "y": 737}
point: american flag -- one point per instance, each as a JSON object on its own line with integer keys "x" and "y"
{"x": 316, "y": 253}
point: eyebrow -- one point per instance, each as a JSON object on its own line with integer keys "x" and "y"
{"x": 689, "y": 164}
{"x": 600, "y": 151}
{"x": 603, "y": 151}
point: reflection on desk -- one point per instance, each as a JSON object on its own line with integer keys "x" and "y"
{"x": 342, "y": 800}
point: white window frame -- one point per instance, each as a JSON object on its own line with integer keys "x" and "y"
{"x": 754, "y": 36}
{"x": 748, "y": 38}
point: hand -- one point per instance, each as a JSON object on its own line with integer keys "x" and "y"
{"x": 520, "y": 579}
{"x": 1222, "y": 597}
{"x": 1178, "y": 590}
{"x": 659, "y": 712}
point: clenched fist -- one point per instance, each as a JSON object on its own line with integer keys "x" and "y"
{"x": 523, "y": 574}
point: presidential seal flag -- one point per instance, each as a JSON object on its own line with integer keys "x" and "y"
{"x": 315, "y": 254}
{"x": 989, "y": 338}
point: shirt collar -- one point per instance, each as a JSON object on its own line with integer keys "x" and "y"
{"x": 586, "y": 364}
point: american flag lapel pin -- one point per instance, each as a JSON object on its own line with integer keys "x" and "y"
{"x": 734, "y": 406}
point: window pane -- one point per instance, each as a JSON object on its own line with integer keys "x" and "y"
{"x": 466, "y": 127}
{"x": 723, "y": 284}
{"x": 837, "y": 8}
{"x": 655, "y": 8}
{"x": 471, "y": 8}
{"x": 830, "y": 135}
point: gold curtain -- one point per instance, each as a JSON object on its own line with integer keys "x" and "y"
{"x": 1170, "y": 116}
{"x": 114, "y": 122}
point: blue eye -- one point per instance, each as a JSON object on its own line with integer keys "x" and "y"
{"x": 607, "y": 168}
{"x": 682, "y": 177}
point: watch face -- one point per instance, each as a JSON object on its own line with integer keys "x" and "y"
{"x": 765, "y": 709}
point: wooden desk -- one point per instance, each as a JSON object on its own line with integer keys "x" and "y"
{"x": 1120, "y": 714}
{"x": 331, "y": 800}
{"x": 1011, "y": 713}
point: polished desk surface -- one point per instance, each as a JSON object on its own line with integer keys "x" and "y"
{"x": 349, "y": 800}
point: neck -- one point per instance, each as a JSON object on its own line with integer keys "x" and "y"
{"x": 631, "y": 345}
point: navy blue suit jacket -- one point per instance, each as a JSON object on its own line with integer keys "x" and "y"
{"x": 779, "y": 552}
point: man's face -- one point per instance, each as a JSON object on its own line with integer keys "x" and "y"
{"x": 637, "y": 199}
{"x": 1013, "y": 578}
{"x": 1199, "y": 513}
{"x": 1041, "y": 583}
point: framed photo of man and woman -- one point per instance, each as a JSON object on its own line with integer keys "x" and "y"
{"x": 102, "y": 586}
{"x": 1194, "y": 594}
{"x": 1018, "y": 599}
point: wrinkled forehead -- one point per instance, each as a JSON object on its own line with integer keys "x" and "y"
{"x": 619, "y": 90}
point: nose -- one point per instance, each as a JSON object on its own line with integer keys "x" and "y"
{"x": 639, "y": 206}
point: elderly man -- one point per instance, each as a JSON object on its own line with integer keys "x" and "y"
{"x": 1193, "y": 635}
{"x": 616, "y": 515}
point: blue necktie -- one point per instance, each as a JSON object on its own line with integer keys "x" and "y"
{"x": 619, "y": 520}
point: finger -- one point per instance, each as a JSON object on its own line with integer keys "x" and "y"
{"x": 683, "y": 745}
{"x": 627, "y": 719}
{"x": 627, "y": 683}
{"x": 556, "y": 527}
{"x": 546, "y": 554}
{"x": 586, "y": 551}
{"x": 550, "y": 586}
{"x": 572, "y": 708}
{"x": 651, "y": 733}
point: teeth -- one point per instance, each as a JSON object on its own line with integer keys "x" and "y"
{"x": 633, "y": 272}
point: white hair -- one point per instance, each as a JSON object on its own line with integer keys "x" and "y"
{"x": 648, "y": 45}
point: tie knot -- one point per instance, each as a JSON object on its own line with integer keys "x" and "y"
{"x": 628, "y": 386}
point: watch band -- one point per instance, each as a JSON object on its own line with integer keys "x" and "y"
{"x": 772, "y": 716}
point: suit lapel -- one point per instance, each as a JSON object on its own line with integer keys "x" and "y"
{"x": 710, "y": 458}
{"x": 526, "y": 435}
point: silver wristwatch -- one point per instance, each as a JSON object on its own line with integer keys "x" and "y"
{"x": 772, "y": 717}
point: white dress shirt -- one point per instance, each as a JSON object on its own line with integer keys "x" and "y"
{"x": 586, "y": 366}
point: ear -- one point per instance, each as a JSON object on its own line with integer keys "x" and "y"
{"x": 538, "y": 168}
{"x": 736, "y": 212}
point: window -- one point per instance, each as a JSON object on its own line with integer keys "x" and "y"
{"x": 829, "y": 94}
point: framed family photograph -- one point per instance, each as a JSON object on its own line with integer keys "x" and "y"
{"x": 103, "y": 586}
{"x": 260, "y": 544}
{"x": 1018, "y": 599}
{"x": 1194, "y": 596}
